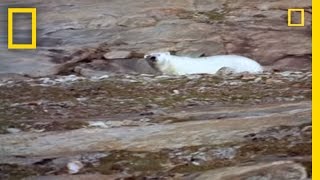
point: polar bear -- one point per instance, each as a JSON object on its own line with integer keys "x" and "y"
{"x": 178, "y": 65}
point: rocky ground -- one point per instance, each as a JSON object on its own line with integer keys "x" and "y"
{"x": 255, "y": 28}
{"x": 157, "y": 127}
{"x": 85, "y": 105}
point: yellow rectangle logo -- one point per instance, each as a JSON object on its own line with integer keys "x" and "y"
{"x": 33, "y": 12}
{"x": 301, "y": 17}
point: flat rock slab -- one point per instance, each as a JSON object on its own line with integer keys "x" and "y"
{"x": 117, "y": 55}
{"x": 75, "y": 177}
{"x": 257, "y": 29}
{"x": 273, "y": 170}
{"x": 155, "y": 137}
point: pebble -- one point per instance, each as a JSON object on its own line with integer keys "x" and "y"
{"x": 13, "y": 130}
{"x": 273, "y": 81}
{"x": 258, "y": 79}
{"x": 224, "y": 153}
{"x": 176, "y": 92}
{"x": 118, "y": 55}
{"x": 234, "y": 83}
{"x": 95, "y": 78}
{"x": 74, "y": 167}
{"x": 307, "y": 129}
{"x": 248, "y": 77}
{"x": 98, "y": 124}
{"x": 114, "y": 123}
{"x": 195, "y": 163}
{"x": 82, "y": 99}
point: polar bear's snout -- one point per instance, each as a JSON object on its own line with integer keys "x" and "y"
{"x": 151, "y": 60}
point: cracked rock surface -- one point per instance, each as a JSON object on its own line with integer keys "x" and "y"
{"x": 85, "y": 105}
{"x": 149, "y": 126}
{"x": 256, "y": 29}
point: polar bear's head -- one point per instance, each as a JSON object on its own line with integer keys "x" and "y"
{"x": 157, "y": 60}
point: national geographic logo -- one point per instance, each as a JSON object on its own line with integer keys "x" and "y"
{"x": 290, "y": 15}
{"x": 15, "y": 12}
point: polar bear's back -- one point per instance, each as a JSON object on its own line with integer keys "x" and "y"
{"x": 212, "y": 64}
{"x": 237, "y": 63}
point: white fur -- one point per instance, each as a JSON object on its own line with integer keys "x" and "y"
{"x": 177, "y": 65}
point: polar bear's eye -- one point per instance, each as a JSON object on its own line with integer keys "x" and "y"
{"x": 153, "y": 58}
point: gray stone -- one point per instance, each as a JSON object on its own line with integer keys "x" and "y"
{"x": 156, "y": 137}
{"x": 13, "y": 130}
{"x": 118, "y": 55}
{"x": 136, "y": 21}
{"x": 261, "y": 171}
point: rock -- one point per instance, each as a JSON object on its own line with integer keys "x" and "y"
{"x": 74, "y": 167}
{"x": 70, "y": 78}
{"x": 258, "y": 79}
{"x": 98, "y": 78}
{"x": 136, "y": 21}
{"x": 103, "y": 22}
{"x": 13, "y": 77}
{"x": 93, "y": 158}
{"x": 274, "y": 81}
{"x": 293, "y": 63}
{"x": 99, "y": 124}
{"x": 13, "y": 130}
{"x": 307, "y": 129}
{"x": 82, "y": 99}
{"x": 224, "y": 71}
{"x": 223, "y": 153}
{"x": 148, "y": 113}
{"x": 32, "y": 67}
{"x": 128, "y": 66}
{"x": 114, "y": 123}
{"x": 75, "y": 177}
{"x": 80, "y": 56}
{"x": 258, "y": 31}
{"x": 98, "y": 64}
{"x": 248, "y": 77}
{"x": 90, "y": 73}
{"x": 273, "y": 170}
{"x": 213, "y": 123}
{"x": 204, "y": 129}
{"x": 205, "y": 112}
{"x": 118, "y": 55}
{"x": 60, "y": 80}
{"x": 176, "y": 92}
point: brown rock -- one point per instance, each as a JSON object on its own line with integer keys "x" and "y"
{"x": 134, "y": 22}
{"x": 248, "y": 77}
{"x": 273, "y": 170}
{"x": 213, "y": 131}
{"x": 257, "y": 30}
{"x": 293, "y": 63}
{"x": 75, "y": 177}
{"x": 99, "y": 64}
{"x": 274, "y": 81}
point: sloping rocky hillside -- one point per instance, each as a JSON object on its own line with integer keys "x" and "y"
{"x": 162, "y": 127}
{"x": 255, "y": 28}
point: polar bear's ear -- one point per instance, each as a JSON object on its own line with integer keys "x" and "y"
{"x": 173, "y": 52}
